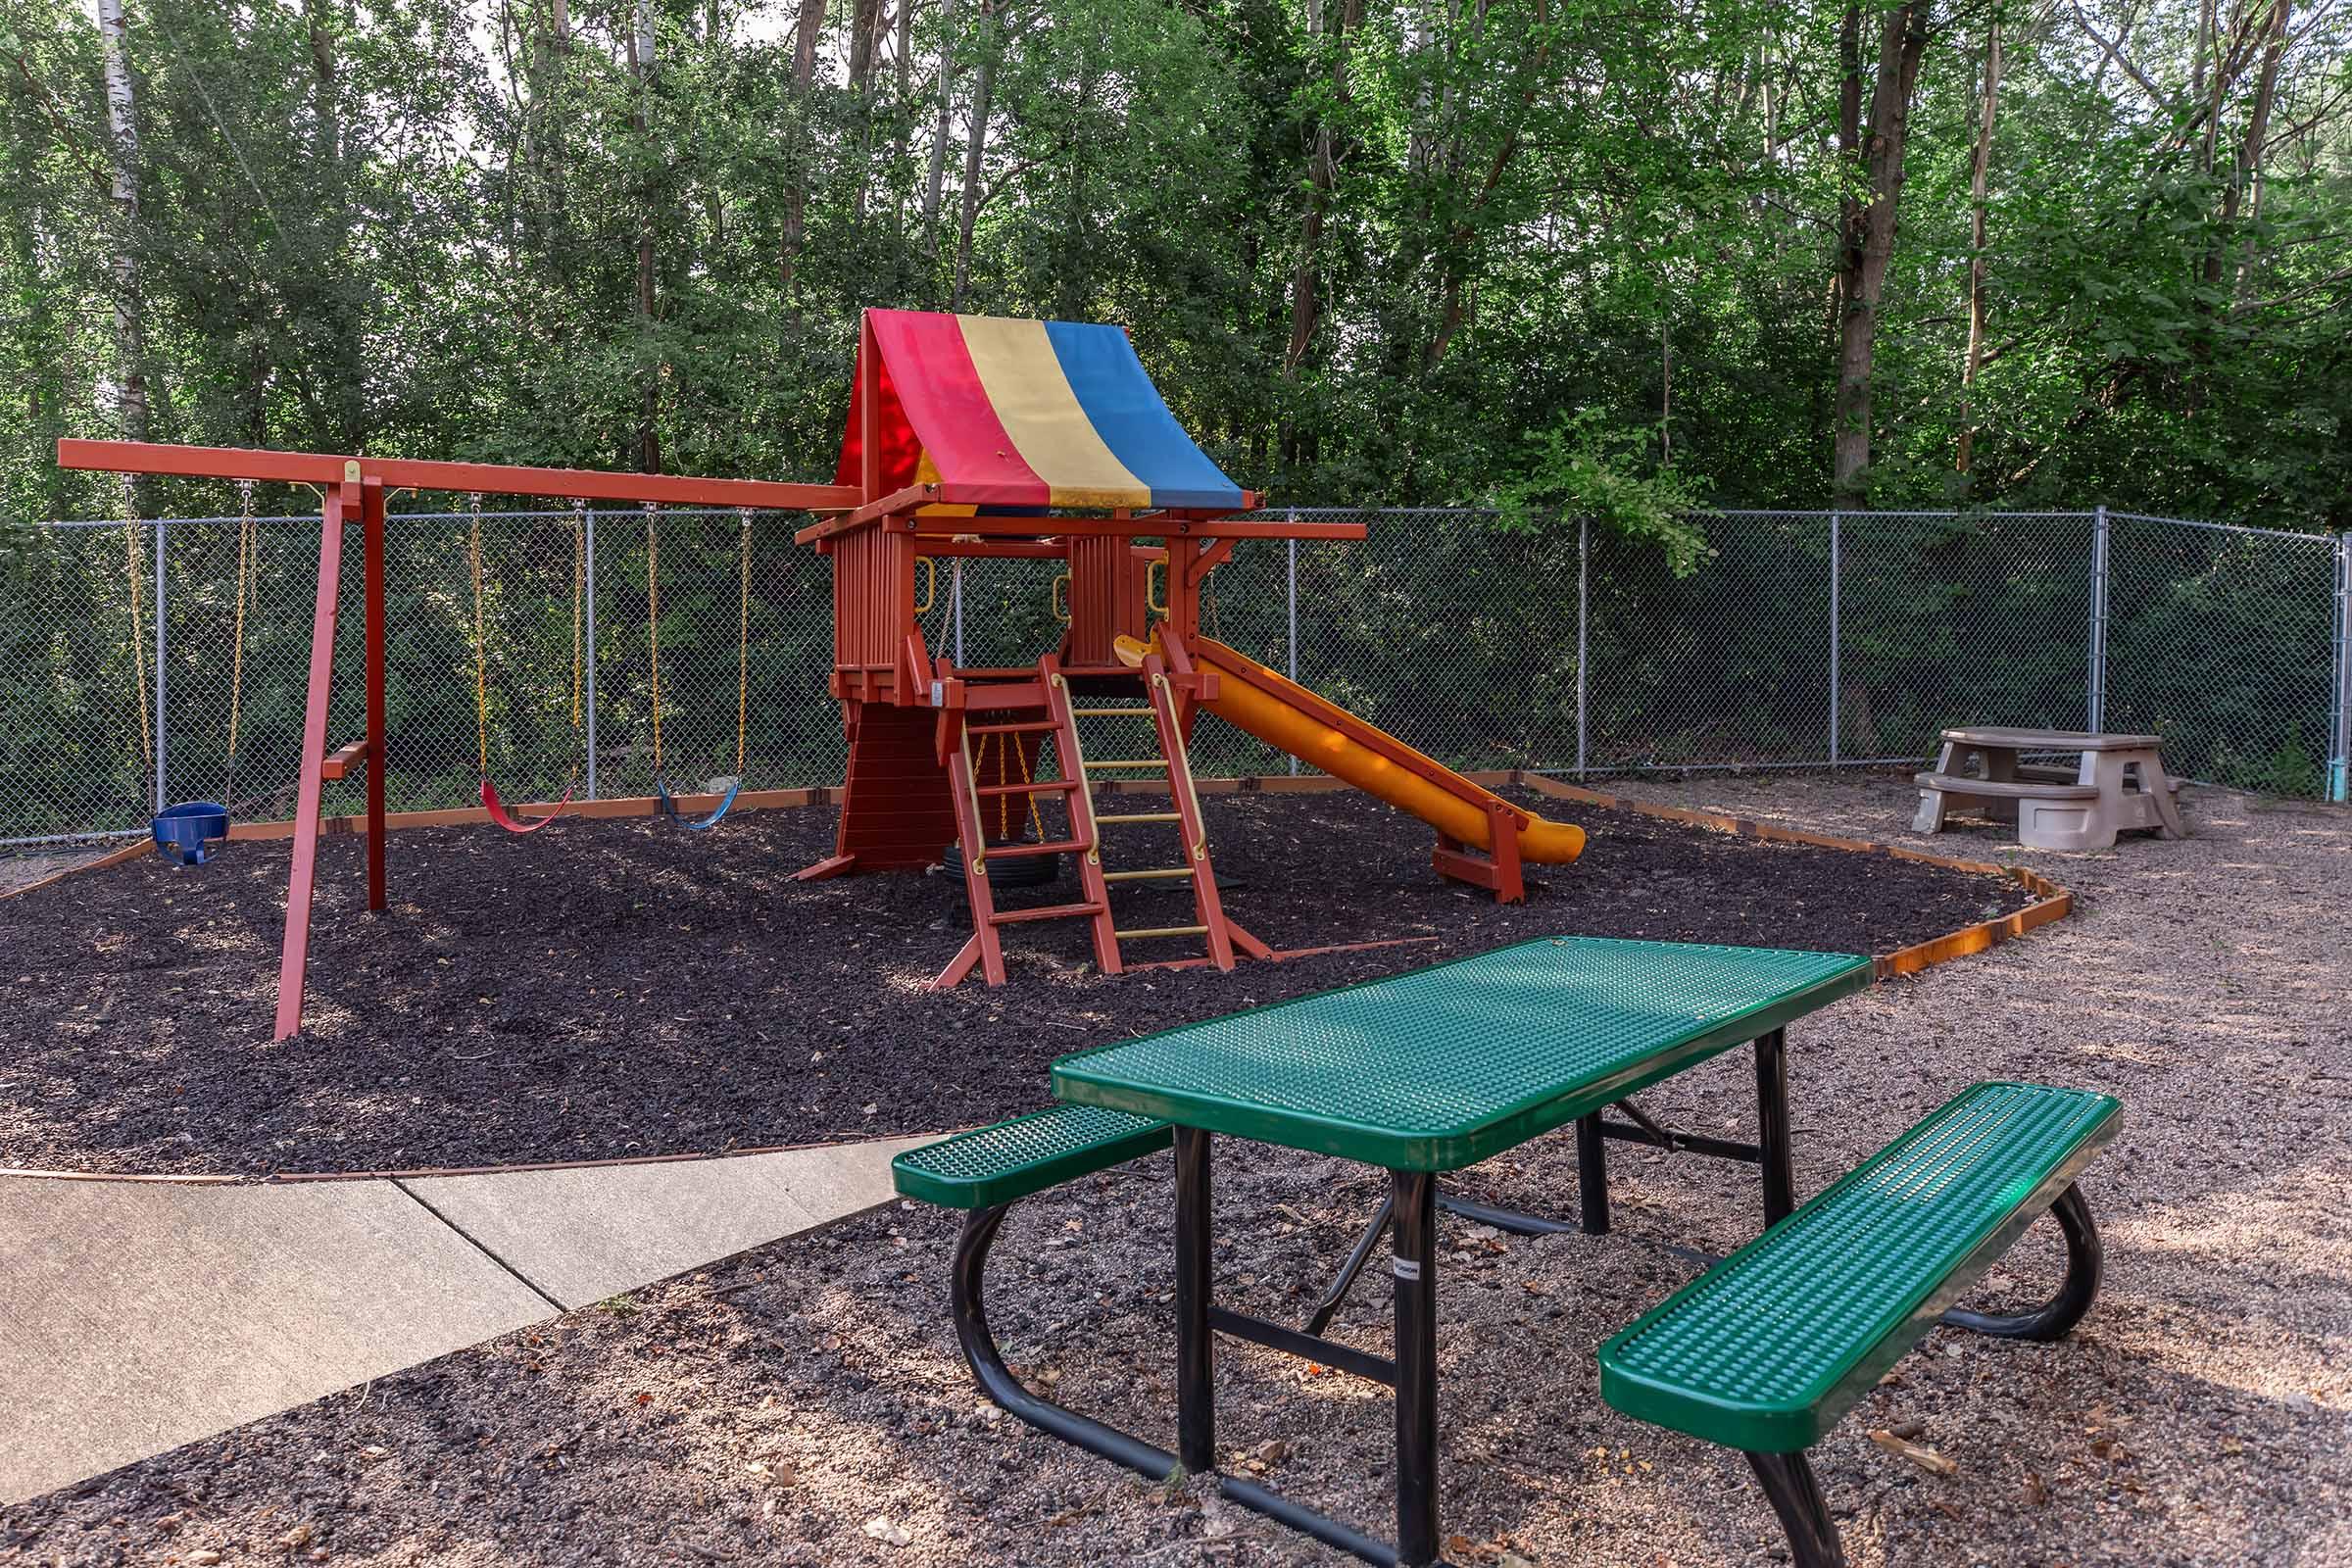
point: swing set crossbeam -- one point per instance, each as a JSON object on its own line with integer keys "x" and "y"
{"x": 415, "y": 474}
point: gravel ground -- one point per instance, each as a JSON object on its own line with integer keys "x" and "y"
{"x": 612, "y": 988}
{"x": 803, "y": 1404}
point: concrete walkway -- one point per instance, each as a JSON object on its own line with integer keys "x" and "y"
{"x": 136, "y": 1316}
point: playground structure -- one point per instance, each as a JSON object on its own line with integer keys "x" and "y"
{"x": 968, "y": 437}
{"x": 976, "y": 436}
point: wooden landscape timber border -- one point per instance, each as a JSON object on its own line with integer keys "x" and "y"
{"x": 2051, "y": 902}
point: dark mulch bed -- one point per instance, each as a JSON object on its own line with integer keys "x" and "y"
{"x": 608, "y": 989}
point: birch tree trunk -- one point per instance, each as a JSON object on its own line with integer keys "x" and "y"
{"x": 648, "y": 384}
{"x": 796, "y": 183}
{"x": 122, "y": 141}
{"x": 1901, "y": 44}
{"x": 936, "y": 179}
{"x": 1980, "y": 186}
{"x": 975, "y": 152}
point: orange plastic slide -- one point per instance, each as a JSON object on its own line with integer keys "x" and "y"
{"x": 1286, "y": 716}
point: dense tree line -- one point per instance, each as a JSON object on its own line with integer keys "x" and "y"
{"x": 1594, "y": 252}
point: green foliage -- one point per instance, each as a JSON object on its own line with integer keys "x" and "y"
{"x": 1586, "y": 468}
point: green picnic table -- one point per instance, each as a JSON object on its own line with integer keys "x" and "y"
{"x": 1426, "y": 1073}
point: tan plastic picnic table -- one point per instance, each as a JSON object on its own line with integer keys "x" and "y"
{"x": 2120, "y": 783}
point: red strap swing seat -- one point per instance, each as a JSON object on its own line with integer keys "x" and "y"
{"x": 491, "y": 802}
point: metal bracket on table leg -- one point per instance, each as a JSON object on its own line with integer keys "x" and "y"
{"x": 1321, "y": 1318}
{"x": 2086, "y": 1261}
{"x": 1795, "y": 1494}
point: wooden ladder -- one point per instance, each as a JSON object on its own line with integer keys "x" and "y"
{"x": 1076, "y": 786}
{"x": 984, "y": 951}
{"x": 1219, "y": 935}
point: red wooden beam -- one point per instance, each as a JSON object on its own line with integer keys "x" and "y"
{"x": 294, "y": 960}
{"x": 409, "y": 474}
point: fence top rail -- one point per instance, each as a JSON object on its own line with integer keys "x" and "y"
{"x": 2322, "y": 539}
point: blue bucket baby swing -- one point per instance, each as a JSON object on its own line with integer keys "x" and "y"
{"x": 193, "y": 832}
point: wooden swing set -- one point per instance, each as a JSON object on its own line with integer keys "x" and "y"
{"x": 354, "y": 489}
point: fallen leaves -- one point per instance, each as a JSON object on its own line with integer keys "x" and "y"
{"x": 1927, "y": 1459}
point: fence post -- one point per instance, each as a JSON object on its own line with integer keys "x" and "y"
{"x": 1837, "y": 519}
{"x": 590, "y": 531}
{"x": 1291, "y": 641}
{"x": 161, "y": 651}
{"x": 2097, "y": 696}
{"x": 1583, "y": 574}
{"x": 2339, "y": 783}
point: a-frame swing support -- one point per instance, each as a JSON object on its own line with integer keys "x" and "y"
{"x": 356, "y": 488}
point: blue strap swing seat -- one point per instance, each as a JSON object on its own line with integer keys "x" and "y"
{"x": 665, "y": 800}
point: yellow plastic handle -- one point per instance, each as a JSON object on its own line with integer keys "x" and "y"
{"x": 1062, "y": 608}
{"x": 930, "y": 565}
{"x": 1157, "y": 606}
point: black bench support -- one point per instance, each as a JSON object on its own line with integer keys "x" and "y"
{"x": 1196, "y": 1317}
{"x": 1788, "y": 1479}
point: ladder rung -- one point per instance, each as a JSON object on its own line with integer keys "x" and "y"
{"x": 1112, "y": 713}
{"x": 1048, "y": 911}
{"x": 1138, "y": 816}
{"x": 1143, "y": 762}
{"x": 1023, "y": 852}
{"x": 1163, "y": 931}
{"x": 1036, "y": 787}
{"x": 1041, "y": 726}
{"x": 1170, "y": 873}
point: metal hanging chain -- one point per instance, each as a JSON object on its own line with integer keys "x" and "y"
{"x": 653, "y": 630}
{"x": 138, "y": 627}
{"x": 579, "y": 593}
{"x": 743, "y": 644}
{"x": 248, "y": 557}
{"x": 481, "y": 648}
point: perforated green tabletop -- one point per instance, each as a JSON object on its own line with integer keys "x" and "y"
{"x": 1445, "y": 1068}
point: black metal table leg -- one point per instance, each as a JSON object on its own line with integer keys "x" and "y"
{"x": 1771, "y": 1127}
{"x": 1592, "y": 1176}
{"x": 1413, "y": 1197}
{"x": 1196, "y": 1352}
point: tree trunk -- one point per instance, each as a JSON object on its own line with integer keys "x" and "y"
{"x": 1901, "y": 45}
{"x": 122, "y": 141}
{"x": 2248, "y": 169}
{"x": 1980, "y": 186}
{"x": 1322, "y": 174}
{"x": 975, "y": 151}
{"x": 795, "y": 182}
{"x": 936, "y": 180}
{"x": 649, "y": 389}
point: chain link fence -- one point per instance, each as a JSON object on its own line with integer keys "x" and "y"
{"x": 1804, "y": 640}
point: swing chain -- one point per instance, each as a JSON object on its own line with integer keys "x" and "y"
{"x": 743, "y": 641}
{"x": 139, "y": 628}
{"x": 481, "y": 645}
{"x": 248, "y": 559}
{"x": 653, "y": 631}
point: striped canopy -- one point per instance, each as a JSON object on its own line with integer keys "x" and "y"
{"x": 1002, "y": 412}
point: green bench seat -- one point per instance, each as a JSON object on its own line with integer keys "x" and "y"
{"x": 1004, "y": 1163}
{"x": 1764, "y": 1351}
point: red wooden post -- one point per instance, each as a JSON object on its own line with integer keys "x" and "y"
{"x": 294, "y": 961}
{"x": 371, "y": 533}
